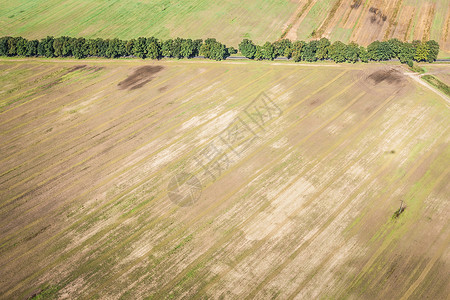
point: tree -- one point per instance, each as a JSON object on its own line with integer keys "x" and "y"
{"x": 422, "y": 52}
{"x": 4, "y": 50}
{"x": 380, "y": 51}
{"x": 176, "y": 47}
{"x": 232, "y": 50}
{"x": 282, "y": 47}
{"x": 395, "y": 45}
{"x": 247, "y": 48}
{"x": 45, "y": 47}
{"x": 197, "y": 44}
{"x": 363, "y": 54}
{"x": 166, "y": 48}
{"x": 268, "y": 51}
{"x": 352, "y": 52}
{"x": 259, "y": 53}
{"x": 140, "y": 47}
{"x": 309, "y": 52}
{"x": 115, "y": 48}
{"x": 212, "y": 49}
{"x": 406, "y": 54}
{"x": 433, "y": 50}
{"x": 79, "y": 47}
{"x": 32, "y": 47}
{"x": 337, "y": 52}
{"x": 297, "y": 50}
{"x": 187, "y": 48}
{"x": 152, "y": 48}
{"x": 322, "y": 48}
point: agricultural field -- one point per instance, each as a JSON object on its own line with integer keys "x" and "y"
{"x": 225, "y": 180}
{"x": 230, "y": 21}
{"x": 440, "y": 71}
{"x": 366, "y": 21}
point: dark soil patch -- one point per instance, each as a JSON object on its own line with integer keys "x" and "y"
{"x": 383, "y": 81}
{"x": 356, "y": 4}
{"x": 140, "y": 77}
{"x": 163, "y": 89}
{"x": 391, "y": 77}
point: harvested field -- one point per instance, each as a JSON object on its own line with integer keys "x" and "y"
{"x": 234, "y": 180}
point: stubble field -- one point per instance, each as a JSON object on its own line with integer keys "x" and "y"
{"x": 294, "y": 173}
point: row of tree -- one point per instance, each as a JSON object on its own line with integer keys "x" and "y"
{"x": 112, "y": 48}
{"x": 154, "y": 48}
{"x": 339, "y": 52}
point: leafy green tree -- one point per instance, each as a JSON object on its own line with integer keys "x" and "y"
{"x": 176, "y": 48}
{"x": 380, "y": 51}
{"x": 115, "y": 48}
{"x": 45, "y": 47}
{"x": 32, "y": 48}
{"x": 197, "y": 44}
{"x": 187, "y": 48}
{"x": 153, "y": 48}
{"x": 337, "y": 52}
{"x": 406, "y": 53}
{"x": 322, "y": 49}
{"x": 422, "y": 52}
{"x": 268, "y": 51}
{"x": 232, "y": 50}
{"x": 21, "y": 46}
{"x": 395, "y": 45}
{"x": 129, "y": 47}
{"x": 433, "y": 50}
{"x": 352, "y": 52}
{"x": 12, "y": 46}
{"x": 140, "y": 47}
{"x": 4, "y": 50}
{"x": 218, "y": 51}
{"x": 282, "y": 47}
{"x": 297, "y": 50}
{"x": 247, "y": 48}
{"x": 309, "y": 52}
{"x": 79, "y": 47}
{"x": 213, "y": 49}
{"x": 259, "y": 53}
{"x": 166, "y": 48}
{"x": 363, "y": 54}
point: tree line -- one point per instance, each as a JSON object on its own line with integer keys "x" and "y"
{"x": 142, "y": 47}
{"x": 339, "y": 52}
{"x": 154, "y": 48}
